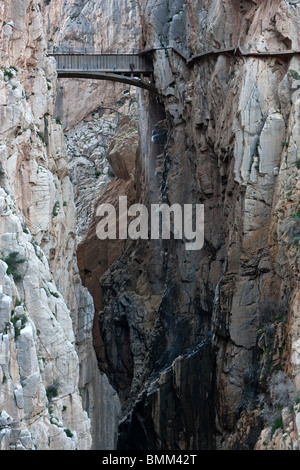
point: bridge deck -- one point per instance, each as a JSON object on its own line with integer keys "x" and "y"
{"x": 105, "y": 62}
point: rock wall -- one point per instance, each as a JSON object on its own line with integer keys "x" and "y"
{"x": 89, "y": 128}
{"x": 88, "y": 146}
{"x": 231, "y": 145}
{"x": 202, "y": 347}
{"x": 48, "y": 371}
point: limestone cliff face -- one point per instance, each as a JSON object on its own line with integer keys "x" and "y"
{"x": 91, "y": 26}
{"x": 231, "y": 307}
{"x": 46, "y": 314}
{"x": 231, "y": 145}
{"x": 202, "y": 347}
{"x": 91, "y": 113}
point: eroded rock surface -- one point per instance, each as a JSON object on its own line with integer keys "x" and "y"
{"x": 202, "y": 347}
{"x": 48, "y": 370}
{"x": 231, "y": 145}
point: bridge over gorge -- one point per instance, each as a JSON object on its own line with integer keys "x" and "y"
{"x": 137, "y": 68}
{"x": 133, "y": 69}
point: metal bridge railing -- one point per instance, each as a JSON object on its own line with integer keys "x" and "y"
{"x": 55, "y": 50}
{"x": 129, "y": 63}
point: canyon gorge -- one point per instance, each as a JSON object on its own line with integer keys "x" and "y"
{"x": 142, "y": 344}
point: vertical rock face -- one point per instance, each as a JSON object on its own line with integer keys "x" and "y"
{"x": 231, "y": 145}
{"x": 93, "y": 25}
{"x": 202, "y": 347}
{"x": 39, "y": 397}
{"x": 89, "y": 127}
{"x": 48, "y": 373}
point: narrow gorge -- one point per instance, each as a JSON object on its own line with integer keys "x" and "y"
{"x": 142, "y": 344}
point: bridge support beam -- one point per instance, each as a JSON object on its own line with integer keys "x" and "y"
{"x": 114, "y": 77}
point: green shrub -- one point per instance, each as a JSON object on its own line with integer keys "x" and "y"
{"x": 54, "y": 294}
{"x": 14, "y": 319}
{"x": 55, "y": 209}
{"x": 41, "y": 136}
{"x": 52, "y": 390}
{"x": 294, "y": 74}
{"x": 12, "y": 261}
{"x": 68, "y": 433}
{"x": 75, "y": 16}
{"x": 8, "y": 74}
{"x": 277, "y": 424}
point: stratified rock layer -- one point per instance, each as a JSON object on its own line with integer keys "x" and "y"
{"x": 49, "y": 379}
{"x": 231, "y": 145}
